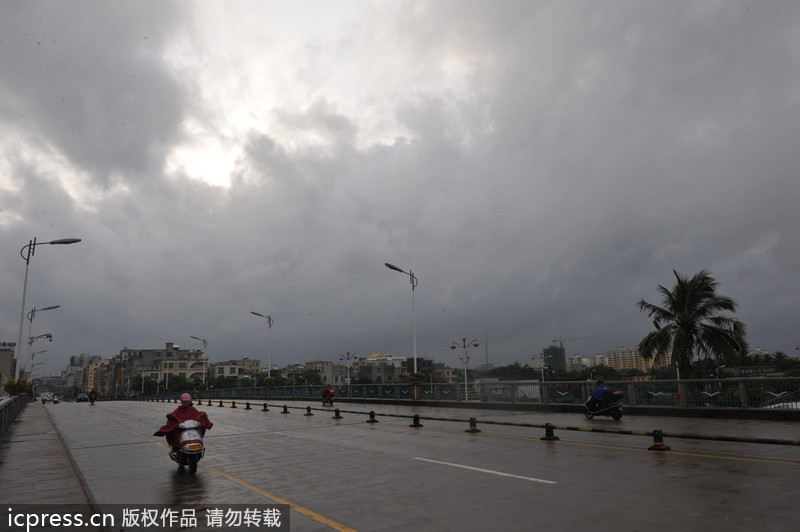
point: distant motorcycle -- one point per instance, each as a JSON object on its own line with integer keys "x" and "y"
{"x": 611, "y": 406}
{"x": 328, "y": 396}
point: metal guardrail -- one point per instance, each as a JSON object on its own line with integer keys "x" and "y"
{"x": 9, "y": 410}
{"x": 756, "y": 393}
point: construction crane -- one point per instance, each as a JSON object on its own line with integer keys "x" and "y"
{"x": 561, "y": 339}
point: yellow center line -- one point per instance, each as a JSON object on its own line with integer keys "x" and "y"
{"x": 280, "y": 500}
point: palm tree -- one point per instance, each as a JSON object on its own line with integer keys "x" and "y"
{"x": 690, "y": 323}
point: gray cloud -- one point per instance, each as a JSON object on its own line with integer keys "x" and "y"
{"x": 546, "y": 166}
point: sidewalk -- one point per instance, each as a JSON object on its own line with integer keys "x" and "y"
{"x": 35, "y": 467}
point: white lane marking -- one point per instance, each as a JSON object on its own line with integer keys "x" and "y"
{"x": 290, "y": 435}
{"x": 499, "y": 473}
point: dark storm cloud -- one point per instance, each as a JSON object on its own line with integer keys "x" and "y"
{"x": 87, "y": 79}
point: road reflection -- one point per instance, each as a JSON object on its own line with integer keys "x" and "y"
{"x": 187, "y": 488}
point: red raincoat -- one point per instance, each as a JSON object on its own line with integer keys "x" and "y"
{"x": 178, "y": 416}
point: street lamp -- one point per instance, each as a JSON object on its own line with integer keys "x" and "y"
{"x": 32, "y": 339}
{"x": 719, "y": 368}
{"x": 31, "y": 315}
{"x": 26, "y": 256}
{"x": 270, "y": 321}
{"x": 414, "y": 283}
{"x": 541, "y": 364}
{"x": 347, "y": 357}
{"x": 465, "y": 359}
{"x": 33, "y": 365}
{"x": 205, "y": 345}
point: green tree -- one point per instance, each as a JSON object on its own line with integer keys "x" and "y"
{"x": 416, "y": 377}
{"x": 690, "y": 323}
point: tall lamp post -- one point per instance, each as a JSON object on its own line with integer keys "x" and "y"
{"x": 26, "y": 253}
{"x": 347, "y": 357}
{"x": 465, "y": 359}
{"x": 205, "y": 345}
{"x": 541, "y": 363}
{"x": 414, "y": 283}
{"x": 270, "y": 321}
{"x": 31, "y": 339}
{"x": 31, "y": 315}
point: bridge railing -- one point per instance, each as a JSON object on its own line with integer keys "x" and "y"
{"x": 9, "y": 409}
{"x": 767, "y": 393}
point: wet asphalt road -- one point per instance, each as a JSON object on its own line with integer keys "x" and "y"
{"x": 348, "y": 474}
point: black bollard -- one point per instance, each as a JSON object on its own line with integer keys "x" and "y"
{"x": 372, "y": 417}
{"x": 233, "y": 404}
{"x": 265, "y": 409}
{"x": 247, "y": 405}
{"x": 548, "y": 433}
{"x": 658, "y": 442}
{"x": 285, "y": 409}
{"x": 209, "y": 402}
{"x": 416, "y": 421}
{"x": 473, "y": 425}
{"x": 308, "y": 411}
{"x": 220, "y": 403}
{"x": 337, "y": 416}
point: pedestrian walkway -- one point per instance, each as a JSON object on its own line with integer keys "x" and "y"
{"x": 35, "y": 466}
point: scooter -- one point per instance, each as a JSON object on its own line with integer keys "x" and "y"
{"x": 191, "y": 448}
{"x": 611, "y": 405}
{"x": 327, "y": 398}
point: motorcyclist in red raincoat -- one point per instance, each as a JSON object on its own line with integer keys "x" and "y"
{"x": 183, "y": 413}
{"x": 328, "y": 394}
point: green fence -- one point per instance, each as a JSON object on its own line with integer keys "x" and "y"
{"x": 766, "y": 393}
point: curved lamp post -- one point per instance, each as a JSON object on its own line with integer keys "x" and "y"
{"x": 31, "y": 315}
{"x": 414, "y": 283}
{"x": 26, "y": 253}
{"x": 270, "y": 321}
{"x": 32, "y": 339}
{"x": 465, "y": 359}
{"x": 205, "y": 345}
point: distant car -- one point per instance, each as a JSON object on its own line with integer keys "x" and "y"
{"x": 83, "y": 398}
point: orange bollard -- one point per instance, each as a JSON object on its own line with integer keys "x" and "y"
{"x": 548, "y": 433}
{"x": 473, "y": 425}
{"x": 658, "y": 442}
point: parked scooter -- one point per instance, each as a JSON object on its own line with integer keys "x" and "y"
{"x": 611, "y": 405}
{"x": 191, "y": 448}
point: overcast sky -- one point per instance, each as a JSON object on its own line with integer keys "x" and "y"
{"x": 539, "y": 166}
